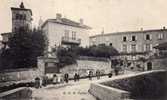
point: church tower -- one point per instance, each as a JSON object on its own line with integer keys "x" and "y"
{"x": 21, "y": 18}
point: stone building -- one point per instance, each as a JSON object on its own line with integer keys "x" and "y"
{"x": 137, "y": 43}
{"x": 21, "y": 18}
{"x": 63, "y": 31}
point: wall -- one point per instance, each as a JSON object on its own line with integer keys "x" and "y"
{"x": 132, "y": 86}
{"x": 84, "y": 65}
{"x": 102, "y": 92}
{"x": 159, "y": 63}
{"x": 21, "y": 93}
{"x": 23, "y": 74}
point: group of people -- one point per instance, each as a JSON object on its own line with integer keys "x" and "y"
{"x": 76, "y": 77}
{"x": 65, "y": 78}
{"x": 98, "y": 74}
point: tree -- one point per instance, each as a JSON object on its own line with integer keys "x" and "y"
{"x": 66, "y": 56}
{"x": 24, "y": 48}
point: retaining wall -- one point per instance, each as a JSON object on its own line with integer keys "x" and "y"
{"x": 146, "y": 85}
{"x": 22, "y": 93}
{"x": 83, "y": 66}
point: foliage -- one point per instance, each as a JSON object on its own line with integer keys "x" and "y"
{"x": 24, "y": 48}
{"x": 68, "y": 56}
{"x": 97, "y": 51}
{"x": 142, "y": 59}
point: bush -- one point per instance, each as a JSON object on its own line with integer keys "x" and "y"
{"x": 68, "y": 56}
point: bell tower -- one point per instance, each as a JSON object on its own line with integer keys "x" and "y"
{"x": 21, "y": 18}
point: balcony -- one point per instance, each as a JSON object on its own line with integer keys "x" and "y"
{"x": 70, "y": 41}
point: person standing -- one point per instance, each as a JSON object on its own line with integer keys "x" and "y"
{"x": 66, "y": 77}
{"x": 75, "y": 77}
{"x": 90, "y": 75}
{"x": 78, "y": 77}
{"x": 55, "y": 79}
{"x": 98, "y": 74}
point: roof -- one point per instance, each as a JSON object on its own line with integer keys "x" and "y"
{"x": 161, "y": 46}
{"x": 127, "y": 32}
{"x": 65, "y": 21}
{"x": 13, "y": 8}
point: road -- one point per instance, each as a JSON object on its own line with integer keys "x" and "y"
{"x": 72, "y": 90}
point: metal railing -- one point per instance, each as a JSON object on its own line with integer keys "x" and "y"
{"x": 71, "y": 40}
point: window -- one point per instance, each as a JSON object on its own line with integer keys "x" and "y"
{"x": 73, "y": 35}
{"x": 24, "y": 17}
{"x": 17, "y": 16}
{"x": 133, "y": 47}
{"x": 124, "y": 39}
{"x": 148, "y": 37}
{"x": 124, "y": 48}
{"x": 160, "y": 36}
{"x": 148, "y": 47}
{"x": 21, "y": 17}
{"x": 133, "y": 38}
{"x": 66, "y": 34}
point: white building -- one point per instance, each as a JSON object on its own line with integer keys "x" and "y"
{"x": 132, "y": 44}
{"x": 63, "y": 31}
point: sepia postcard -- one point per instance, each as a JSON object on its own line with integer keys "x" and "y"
{"x": 83, "y": 50}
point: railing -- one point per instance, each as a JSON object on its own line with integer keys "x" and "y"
{"x": 69, "y": 40}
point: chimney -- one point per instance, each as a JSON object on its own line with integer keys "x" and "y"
{"x": 58, "y": 16}
{"x": 81, "y": 21}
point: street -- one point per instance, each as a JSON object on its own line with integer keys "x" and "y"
{"x": 72, "y": 90}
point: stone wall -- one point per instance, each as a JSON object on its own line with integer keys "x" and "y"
{"x": 159, "y": 63}
{"x": 144, "y": 86}
{"x": 23, "y": 74}
{"x": 21, "y": 93}
{"x": 83, "y": 66}
{"x": 19, "y": 75}
{"x": 102, "y": 92}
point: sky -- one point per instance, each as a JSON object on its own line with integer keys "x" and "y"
{"x": 112, "y": 15}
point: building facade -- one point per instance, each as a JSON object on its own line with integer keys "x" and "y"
{"x": 139, "y": 42}
{"x": 21, "y": 18}
{"x": 63, "y": 31}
